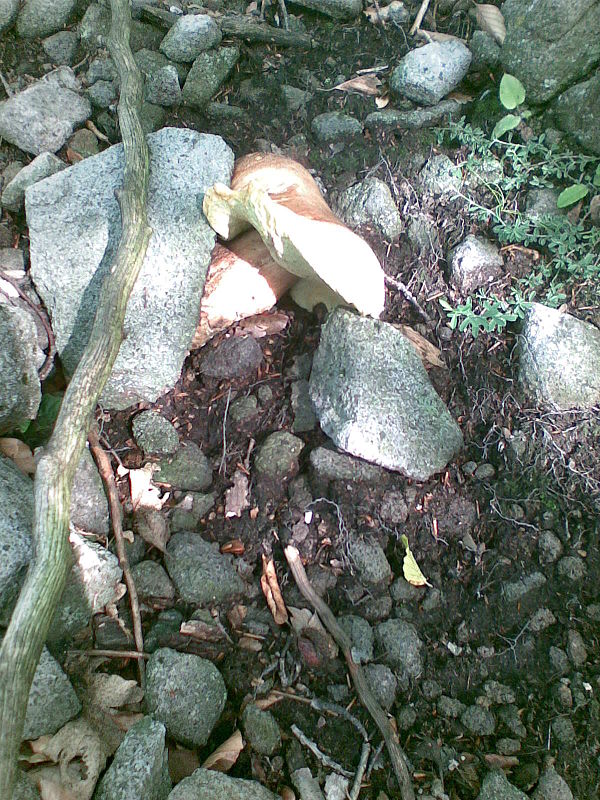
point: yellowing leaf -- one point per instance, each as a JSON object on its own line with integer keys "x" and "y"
{"x": 18, "y": 452}
{"x": 490, "y": 19}
{"x": 410, "y": 568}
{"x": 270, "y": 586}
{"x": 224, "y": 757}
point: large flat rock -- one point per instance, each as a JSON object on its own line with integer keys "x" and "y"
{"x": 373, "y": 397}
{"x": 74, "y": 229}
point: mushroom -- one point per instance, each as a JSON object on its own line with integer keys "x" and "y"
{"x": 280, "y": 199}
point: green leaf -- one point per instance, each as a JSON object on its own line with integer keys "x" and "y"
{"x": 596, "y": 180}
{"x": 512, "y": 92}
{"x": 507, "y": 123}
{"x": 572, "y": 194}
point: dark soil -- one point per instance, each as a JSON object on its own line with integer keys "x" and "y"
{"x": 548, "y": 486}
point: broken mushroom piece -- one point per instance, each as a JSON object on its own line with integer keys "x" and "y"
{"x": 242, "y": 280}
{"x": 280, "y": 199}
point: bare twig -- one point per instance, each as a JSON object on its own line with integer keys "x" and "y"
{"x": 419, "y": 18}
{"x": 106, "y": 473}
{"x": 403, "y": 288}
{"x": 223, "y": 462}
{"x": 364, "y": 691}
{"x": 109, "y": 654}
{"x": 360, "y": 771}
{"x": 319, "y": 754}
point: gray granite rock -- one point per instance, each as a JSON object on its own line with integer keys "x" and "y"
{"x": 205, "y": 783}
{"x": 8, "y": 13}
{"x": 25, "y": 788}
{"x": 139, "y": 770}
{"x": 478, "y": 721}
{"x": 361, "y": 636}
{"x": 338, "y": 9}
{"x": 20, "y": 392}
{"x": 103, "y": 94}
{"x": 162, "y": 88}
{"x": 485, "y": 50}
{"x": 400, "y": 647}
{"x": 61, "y": 48}
{"x": 542, "y": 201}
{"x": 238, "y": 356}
{"x": 188, "y": 469}
{"x": 374, "y": 399}
{"x": 16, "y": 519}
{"x": 304, "y": 415}
{"x": 103, "y": 68}
{"x": 39, "y": 18}
{"x": 261, "y": 730}
{"x": 52, "y": 700}
{"x": 93, "y": 583}
{"x": 543, "y": 44}
{"x": 474, "y": 263}
{"x": 209, "y": 71}
{"x": 370, "y": 203}
{"x": 440, "y": 176}
{"x": 200, "y": 572}
{"x": 515, "y": 591}
{"x": 576, "y": 112}
{"x": 335, "y": 126}
{"x": 43, "y": 116}
{"x": 151, "y": 581}
{"x": 391, "y": 119}
{"x": 383, "y": 683}
{"x": 89, "y": 506}
{"x": 329, "y": 465}
{"x": 551, "y": 786}
{"x": 450, "y": 707}
{"x": 427, "y": 74}
{"x": 369, "y": 559}
{"x": 74, "y": 226}
{"x": 560, "y": 359}
{"x": 190, "y": 511}
{"x": 496, "y": 786}
{"x": 154, "y": 434}
{"x": 276, "y": 463}
{"x": 191, "y": 35}
{"x": 186, "y": 693}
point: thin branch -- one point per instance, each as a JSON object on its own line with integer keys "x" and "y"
{"x": 363, "y": 690}
{"x": 419, "y": 18}
{"x": 51, "y": 560}
{"x": 116, "y": 518}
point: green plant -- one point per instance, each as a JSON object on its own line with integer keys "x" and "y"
{"x": 512, "y": 95}
{"x": 496, "y": 174}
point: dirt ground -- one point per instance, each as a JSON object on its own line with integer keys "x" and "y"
{"x": 475, "y": 634}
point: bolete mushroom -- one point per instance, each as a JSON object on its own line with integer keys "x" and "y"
{"x": 280, "y": 199}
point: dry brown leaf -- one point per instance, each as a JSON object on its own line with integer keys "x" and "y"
{"x": 270, "y": 586}
{"x": 383, "y": 101}
{"x": 144, "y": 494}
{"x": 107, "y": 691}
{"x": 236, "y": 616}
{"x": 234, "y": 547}
{"x": 381, "y": 16}
{"x": 495, "y": 761}
{"x": 19, "y": 453}
{"x": 224, "y": 757}
{"x": 126, "y": 720}
{"x": 73, "y": 156}
{"x": 52, "y": 789}
{"x": 270, "y": 700}
{"x": 201, "y": 631}
{"x": 236, "y": 497}
{"x": 364, "y": 84}
{"x": 490, "y": 19}
{"x": 436, "y": 36}
{"x": 260, "y": 325}
{"x": 152, "y": 526}
{"x": 250, "y": 644}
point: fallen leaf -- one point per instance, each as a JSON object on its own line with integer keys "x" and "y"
{"x": 109, "y": 691}
{"x": 248, "y": 643}
{"x": 236, "y": 616}
{"x": 364, "y": 84}
{"x": 201, "y": 631}
{"x": 410, "y": 568}
{"x": 73, "y": 156}
{"x": 495, "y": 761}
{"x": 490, "y": 19}
{"x": 270, "y": 700}
{"x": 383, "y": 101}
{"x": 151, "y": 525}
{"x": 19, "y": 453}
{"x": 144, "y": 494}
{"x": 236, "y": 497}
{"x": 381, "y": 16}
{"x": 428, "y": 353}
{"x": 270, "y": 586}
{"x": 260, "y": 325}
{"x": 52, "y": 789}
{"x": 182, "y": 762}
{"x": 234, "y": 547}
{"x": 437, "y": 36}
{"x": 224, "y": 757}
